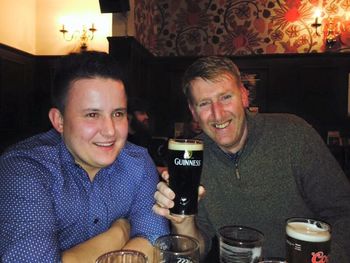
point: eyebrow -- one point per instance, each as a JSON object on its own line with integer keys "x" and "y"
{"x": 218, "y": 96}
{"x": 96, "y": 109}
{"x": 121, "y": 109}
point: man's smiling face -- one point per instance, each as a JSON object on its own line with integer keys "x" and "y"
{"x": 94, "y": 123}
{"x": 219, "y": 107}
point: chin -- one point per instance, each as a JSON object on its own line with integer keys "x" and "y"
{"x": 226, "y": 143}
{"x": 107, "y": 159}
{"x": 104, "y": 163}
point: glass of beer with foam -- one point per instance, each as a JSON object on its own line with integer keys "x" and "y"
{"x": 185, "y": 159}
{"x": 307, "y": 240}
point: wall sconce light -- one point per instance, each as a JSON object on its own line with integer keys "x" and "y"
{"x": 84, "y": 36}
{"x": 344, "y": 30}
{"x": 317, "y": 23}
{"x": 331, "y": 29}
{"x": 332, "y": 33}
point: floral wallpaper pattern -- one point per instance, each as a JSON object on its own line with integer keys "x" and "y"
{"x": 241, "y": 27}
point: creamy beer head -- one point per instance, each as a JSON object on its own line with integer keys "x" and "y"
{"x": 312, "y": 231}
{"x": 307, "y": 240}
{"x": 185, "y": 144}
{"x": 185, "y": 160}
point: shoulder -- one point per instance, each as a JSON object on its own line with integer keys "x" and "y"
{"x": 134, "y": 155}
{"x": 275, "y": 122}
{"x": 284, "y": 128}
{"x": 37, "y": 151}
{"x": 37, "y": 142}
{"x": 133, "y": 151}
{"x": 278, "y": 118}
{"x": 135, "y": 163}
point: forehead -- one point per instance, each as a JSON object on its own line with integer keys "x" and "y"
{"x": 221, "y": 83}
{"x": 96, "y": 89}
{"x": 225, "y": 77}
{"x": 97, "y": 84}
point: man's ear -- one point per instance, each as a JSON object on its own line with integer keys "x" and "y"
{"x": 245, "y": 96}
{"x": 193, "y": 111}
{"x": 56, "y": 119}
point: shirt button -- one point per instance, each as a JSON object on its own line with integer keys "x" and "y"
{"x": 96, "y": 220}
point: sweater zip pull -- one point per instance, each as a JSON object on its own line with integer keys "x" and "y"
{"x": 238, "y": 176}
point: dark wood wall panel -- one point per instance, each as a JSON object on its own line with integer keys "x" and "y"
{"x": 13, "y": 84}
{"x": 16, "y": 77}
{"x": 313, "y": 86}
{"x": 43, "y": 78}
{"x": 25, "y": 82}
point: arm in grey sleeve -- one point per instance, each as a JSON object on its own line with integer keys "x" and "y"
{"x": 325, "y": 189}
{"x": 205, "y": 227}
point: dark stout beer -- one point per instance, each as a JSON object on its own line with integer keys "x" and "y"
{"x": 307, "y": 240}
{"x": 185, "y": 159}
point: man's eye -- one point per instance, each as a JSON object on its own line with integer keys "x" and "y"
{"x": 226, "y": 98}
{"x": 119, "y": 114}
{"x": 92, "y": 115}
{"x": 203, "y": 104}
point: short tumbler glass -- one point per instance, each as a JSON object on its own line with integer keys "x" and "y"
{"x": 122, "y": 256}
{"x": 176, "y": 249}
{"x": 240, "y": 244}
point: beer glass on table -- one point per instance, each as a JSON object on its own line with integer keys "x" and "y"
{"x": 122, "y": 256}
{"x": 307, "y": 240}
{"x": 272, "y": 261}
{"x": 185, "y": 159}
{"x": 240, "y": 244}
{"x": 176, "y": 249}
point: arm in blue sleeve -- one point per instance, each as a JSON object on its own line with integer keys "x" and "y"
{"x": 27, "y": 218}
{"x": 144, "y": 222}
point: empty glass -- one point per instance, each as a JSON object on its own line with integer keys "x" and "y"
{"x": 272, "y": 261}
{"x": 176, "y": 249}
{"x": 240, "y": 244}
{"x": 122, "y": 256}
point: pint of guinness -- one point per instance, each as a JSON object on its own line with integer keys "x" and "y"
{"x": 307, "y": 241}
{"x": 185, "y": 158}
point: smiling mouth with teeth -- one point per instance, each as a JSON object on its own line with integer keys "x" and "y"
{"x": 105, "y": 144}
{"x": 222, "y": 125}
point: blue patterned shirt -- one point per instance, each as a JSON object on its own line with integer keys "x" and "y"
{"x": 48, "y": 203}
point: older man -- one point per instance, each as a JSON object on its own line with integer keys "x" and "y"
{"x": 259, "y": 169}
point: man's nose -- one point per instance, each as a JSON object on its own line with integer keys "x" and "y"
{"x": 217, "y": 110}
{"x": 108, "y": 127}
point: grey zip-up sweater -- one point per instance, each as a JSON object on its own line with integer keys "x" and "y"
{"x": 285, "y": 170}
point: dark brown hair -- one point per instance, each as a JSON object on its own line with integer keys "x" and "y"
{"x": 208, "y": 68}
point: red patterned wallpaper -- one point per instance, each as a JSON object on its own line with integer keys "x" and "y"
{"x": 224, "y": 27}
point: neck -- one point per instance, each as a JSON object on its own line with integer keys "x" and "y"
{"x": 239, "y": 146}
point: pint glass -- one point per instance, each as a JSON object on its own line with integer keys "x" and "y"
{"x": 185, "y": 158}
{"x": 176, "y": 249}
{"x": 307, "y": 240}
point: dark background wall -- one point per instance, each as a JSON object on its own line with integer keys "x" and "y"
{"x": 24, "y": 94}
{"x": 313, "y": 86}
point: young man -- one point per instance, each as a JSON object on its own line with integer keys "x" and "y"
{"x": 259, "y": 169}
{"x": 70, "y": 194}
